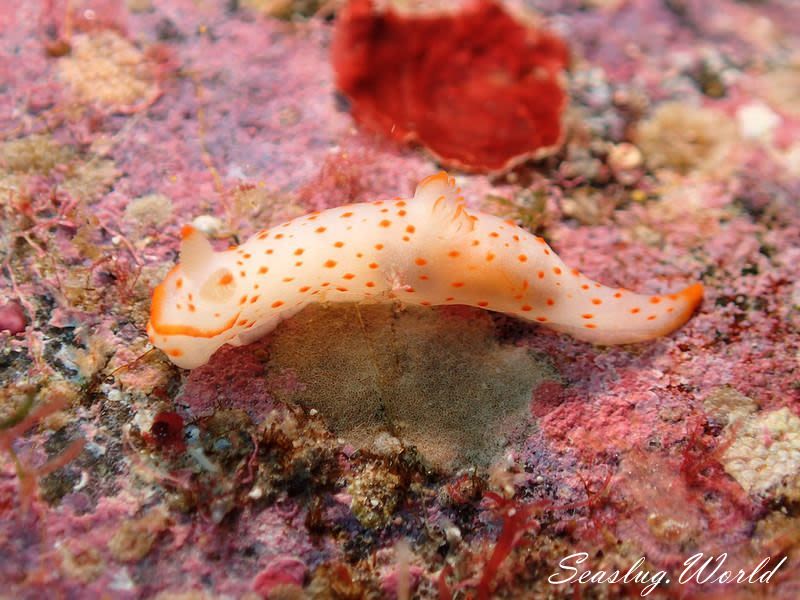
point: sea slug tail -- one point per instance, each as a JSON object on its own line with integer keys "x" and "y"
{"x": 609, "y": 316}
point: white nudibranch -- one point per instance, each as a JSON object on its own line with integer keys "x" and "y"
{"x": 428, "y": 250}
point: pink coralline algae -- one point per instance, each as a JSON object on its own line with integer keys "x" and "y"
{"x": 477, "y": 88}
{"x": 281, "y": 572}
{"x": 12, "y": 318}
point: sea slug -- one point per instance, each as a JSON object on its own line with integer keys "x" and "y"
{"x": 428, "y": 250}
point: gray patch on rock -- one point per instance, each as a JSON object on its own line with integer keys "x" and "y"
{"x": 437, "y": 379}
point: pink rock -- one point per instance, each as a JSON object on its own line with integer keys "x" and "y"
{"x": 546, "y": 397}
{"x": 282, "y": 570}
{"x": 390, "y": 581}
{"x": 12, "y": 318}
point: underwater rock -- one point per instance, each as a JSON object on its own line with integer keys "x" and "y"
{"x": 478, "y": 88}
{"x": 648, "y": 443}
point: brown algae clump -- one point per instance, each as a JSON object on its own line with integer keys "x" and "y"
{"x": 685, "y": 138}
{"x": 284, "y": 9}
{"x": 765, "y": 454}
{"x": 434, "y": 379}
{"x": 34, "y": 154}
{"x": 84, "y": 177}
{"x": 375, "y": 491}
{"x": 106, "y": 68}
{"x": 782, "y": 88}
{"x": 135, "y": 537}
{"x": 150, "y": 210}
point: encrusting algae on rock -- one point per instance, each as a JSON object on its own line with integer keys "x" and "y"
{"x": 428, "y": 250}
{"x": 438, "y": 379}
